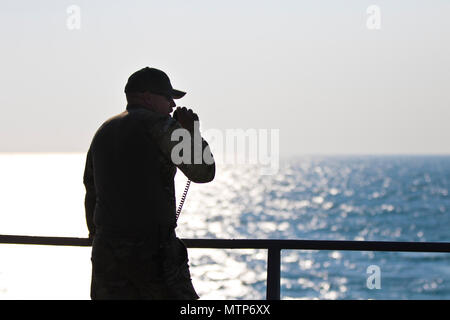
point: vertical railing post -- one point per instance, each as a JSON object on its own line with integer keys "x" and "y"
{"x": 273, "y": 273}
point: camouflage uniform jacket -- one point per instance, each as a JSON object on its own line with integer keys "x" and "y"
{"x": 130, "y": 206}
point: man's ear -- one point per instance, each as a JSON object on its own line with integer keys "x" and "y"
{"x": 147, "y": 97}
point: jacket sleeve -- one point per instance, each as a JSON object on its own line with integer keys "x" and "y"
{"x": 90, "y": 198}
{"x": 186, "y": 150}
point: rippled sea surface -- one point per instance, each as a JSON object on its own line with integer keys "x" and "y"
{"x": 385, "y": 198}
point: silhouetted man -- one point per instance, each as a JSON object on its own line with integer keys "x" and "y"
{"x": 130, "y": 194}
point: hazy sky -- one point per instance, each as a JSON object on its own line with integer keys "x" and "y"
{"x": 312, "y": 69}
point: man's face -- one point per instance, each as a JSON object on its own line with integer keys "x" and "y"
{"x": 161, "y": 104}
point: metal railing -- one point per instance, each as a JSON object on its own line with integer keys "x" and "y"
{"x": 273, "y": 247}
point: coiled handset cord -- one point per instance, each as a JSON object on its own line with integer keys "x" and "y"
{"x": 183, "y": 197}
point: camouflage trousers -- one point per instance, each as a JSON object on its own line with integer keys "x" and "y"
{"x": 125, "y": 268}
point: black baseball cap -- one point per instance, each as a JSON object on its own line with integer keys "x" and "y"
{"x": 154, "y": 81}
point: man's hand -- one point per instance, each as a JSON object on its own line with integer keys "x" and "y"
{"x": 185, "y": 117}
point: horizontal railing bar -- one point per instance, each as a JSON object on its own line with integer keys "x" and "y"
{"x": 40, "y": 240}
{"x": 280, "y": 244}
{"x": 319, "y": 245}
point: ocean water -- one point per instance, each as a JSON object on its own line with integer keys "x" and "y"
{"x": 384, "y": 198}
